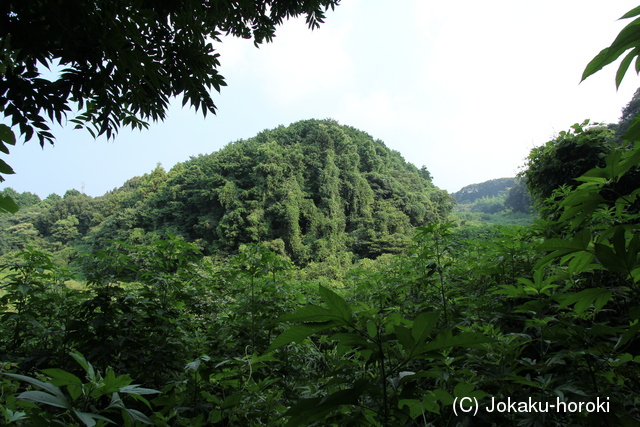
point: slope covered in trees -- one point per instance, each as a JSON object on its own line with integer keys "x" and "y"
{"x": 491, "y": 188}
{"x": 314, "y": 190}
{"x": 502, "y": 201}
{"x": 544, "y": 314}
{"x": 528, "y": 326}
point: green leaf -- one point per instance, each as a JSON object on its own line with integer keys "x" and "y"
{"x": 299, "y": 332}
{"x": 335, "y": 302}
{"x": 341, "y": 397}
{"x": 580, "y": 262}
{"x": 350, "y": 340}
{"x": 89, "y": 419}
{"x": 624, "y": 66}
{"x": 580, "y": 241}
{"x": 609, "y": 259}
{"x": 628, "y": 334}
{"x": 46, "y": 398}
{"x": 138, "y": 416}
{"x": 43, "y": 385}
{"x": 628, "y": 38}
{"x": 619, "y": 242}
{"x": 64, "y": 378}
{"x": 111, "y": 383}
{"x": 561, "y": 247}
{"x": 583, "y": 300}
{"x": 633, "y": 12}
{"x": 443, "y": 396}
{"x": 12, "y": 416}
{"x": 232, "y": 400}
{"x": 8, "y": 205}
{"x": 116, "y": 401}
{"x": 417, "y": 407}
{"x": 423, "y": 326}
{"x": 91, "y": 375}
{"x": 405, "y": 339}
{"x": 7, "y": 136}
{"x": 463, "y": 389}
{"x": 5, "y": 168}
{"x": 136, "y": 389}
{"x": 372, "y": 329}
{"x": 61, "y": 378}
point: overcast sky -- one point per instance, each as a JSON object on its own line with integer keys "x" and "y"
{"x": 466, "y": 88}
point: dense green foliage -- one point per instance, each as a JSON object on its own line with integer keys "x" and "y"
{"x": 119, "y": 63}
{"x": 543, "y": 319}
{"x": 545, "y": 313}
{"x": 484, "y": 313}
{"x": 560, "y": 161}
{"x": 491, "y": 188}
{"x": 503, "y": 201}
{"x": 123, "y": 61}
{"x": 555, "y": 169}
{"x": 315, "y": 191}
{"x": 518, "y": 198}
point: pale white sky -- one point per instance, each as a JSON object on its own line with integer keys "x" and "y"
{"x": 466, "y": 88}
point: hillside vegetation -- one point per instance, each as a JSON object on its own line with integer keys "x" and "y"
{"x": 502, "y": 201}
{"x": 311, "y": 277}
{"x": 312, "y": 191}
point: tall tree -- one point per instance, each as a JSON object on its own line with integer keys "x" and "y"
{"x": 563, "y": 159}
{"x": 120, "y": 62}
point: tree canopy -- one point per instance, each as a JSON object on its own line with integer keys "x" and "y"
{"x": 560, "y": 161}
{"x": 316, "y": 187}
{"x": 491, "y": 188}
{"x": 555, "y": 168}
{"x": 118, "y": 63}
{"x": 315, "y": 191}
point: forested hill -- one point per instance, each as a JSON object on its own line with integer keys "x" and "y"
{"x": 314, "y": 190}
{"x": 491, "y": 188}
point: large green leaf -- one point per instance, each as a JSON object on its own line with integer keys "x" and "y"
{"x": 61, "y": 378}
{"x": 41, "y": 384}
{"x": 624, "y": 65}
{"x": 5, "y": 168}
{"x": 138, "y": 416}
{"x": 633, "y": 12}
{"x": 89, "y": 419}
{"x": 598, "y": 297}
{"x": 7, "y": 137}
{"x": 136, "y": 389}
{"x": 299, "y": 332}
{"x": 627, "y": 39}
{"x": 337, "y": 305}
{"x": 91, "y": 374}
{"x": 405, "y": 338}
{"x": 46, "y": 398}
{"x": 561, "y": 247}
{"x": 422, "y": 327}
{"x": 7, "y": 205}
{"x": 610, "y": 259}
{"x": 341, "y": 397}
